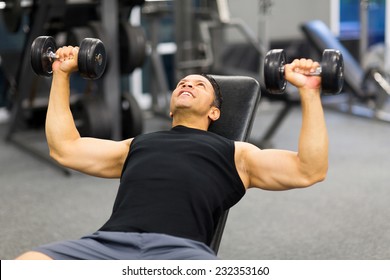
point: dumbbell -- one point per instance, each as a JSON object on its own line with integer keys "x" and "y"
{"x": 331, "y": 71}
{"x": 91, "y": 57}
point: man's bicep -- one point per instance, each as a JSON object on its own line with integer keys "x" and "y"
{"x": 272, "y": 169}
{"x": 97, "y": 157}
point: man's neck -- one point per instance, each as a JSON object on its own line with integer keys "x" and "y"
{"x": 193, "y": 122}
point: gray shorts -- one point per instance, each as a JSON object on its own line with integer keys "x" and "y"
{"x": 105, "y": 245}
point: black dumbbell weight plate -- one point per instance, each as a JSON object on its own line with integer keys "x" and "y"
{"x": 92, "y": 58}
{"x": 92, "y": 117}
{"x": 77, "y": 34}
{"x": 40, "y": 61}
{"x": 132, "y": 119}
{"x": 132, "y": 47}
{"x": 332, "y": 71}
{"x": 273, "y": 73}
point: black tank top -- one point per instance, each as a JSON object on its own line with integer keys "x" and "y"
{"x": 176, "y": 182}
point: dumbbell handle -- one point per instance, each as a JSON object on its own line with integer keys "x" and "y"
{"x": 317, "y": 71}
{"x": 52, "y": 56}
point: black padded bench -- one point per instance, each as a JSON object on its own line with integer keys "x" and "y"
{"x": 241, "y": 96}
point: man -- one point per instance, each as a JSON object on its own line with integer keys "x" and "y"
{"x": 175, "y": 184}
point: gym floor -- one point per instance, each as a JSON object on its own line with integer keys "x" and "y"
{"x": 345, "y": 217}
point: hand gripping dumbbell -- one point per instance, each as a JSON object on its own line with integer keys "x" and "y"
{"x": 91, "y": 59}
{"x": 331, "y": 71}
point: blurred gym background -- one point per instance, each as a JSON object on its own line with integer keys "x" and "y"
{"x": 151, "y": 44}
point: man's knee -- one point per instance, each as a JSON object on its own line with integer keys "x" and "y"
{"x": 32, "y": 255}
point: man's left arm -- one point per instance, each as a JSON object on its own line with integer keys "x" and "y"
{"x": 280, "y": 169}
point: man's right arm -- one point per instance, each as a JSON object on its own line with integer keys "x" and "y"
{"x": 97, "y": 157}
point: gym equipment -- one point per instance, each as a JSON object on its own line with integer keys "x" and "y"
{"x": 363, "y": 16}
{"x": 49, "y": 17}
{"x": 91, "y": 29}
{"x": 320, "y": 36}
{"x": 331, "y": 71}
{"x": 132, "y": 46}
{"x": 13, "y": 10}
{"x": 241, "y": 97}
{"x": 92, "y": 118}
{"x": 91, "y": 58}
{"x": 132, "y": 120}
{"x": 12, "y": 14}
{"x": 77, "y": 34}
{"x": 154, "y": 12}
{"x": 202, "y": 49}
{"x": 355, "y": 77}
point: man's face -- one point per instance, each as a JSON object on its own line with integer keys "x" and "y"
{"x": 193, "y": 92}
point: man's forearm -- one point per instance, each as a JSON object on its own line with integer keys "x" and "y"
{"x": 60, "y": 126}
{"x": 313, "y": 140}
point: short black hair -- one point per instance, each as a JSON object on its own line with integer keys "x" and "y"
{"x": 217, "y": 91}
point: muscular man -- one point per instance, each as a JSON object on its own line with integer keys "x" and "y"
{"x": 175, "y": 184}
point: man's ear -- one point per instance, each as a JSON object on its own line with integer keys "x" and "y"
{"x": 214, "y": 113}
{"x": 171, "y": 114}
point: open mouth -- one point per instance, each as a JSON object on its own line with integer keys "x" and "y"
{"x": 186, "y": 93}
